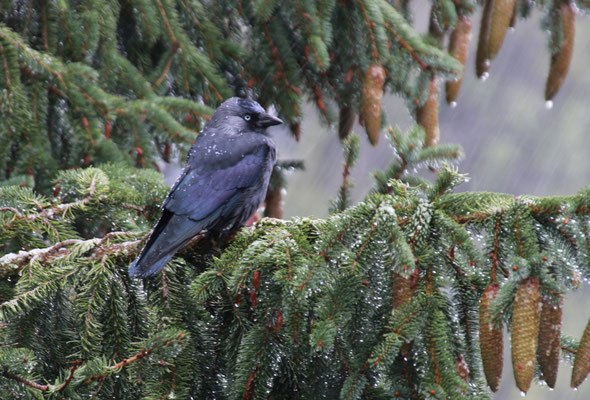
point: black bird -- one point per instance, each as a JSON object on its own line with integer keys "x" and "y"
{"x": 223, "y": 183}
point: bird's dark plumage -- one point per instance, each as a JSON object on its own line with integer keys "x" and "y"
{"x": 223, "y": 183}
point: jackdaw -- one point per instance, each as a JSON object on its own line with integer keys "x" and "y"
{"x": 222, "y": 185}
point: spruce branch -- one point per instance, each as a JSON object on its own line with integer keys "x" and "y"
{"x": 10, "y": 375}
{"x": 158, "y": 82}
{"x": 48, "y": 214}
{"x": 70, "y": 376}
{"x": 13, "y": 210}
{"x": 98, "y": 377}
{"x": 11, "y": 264}
{"x": 166, "y": 22}
{"x": 145, "y": 352}
{"x": 408, "y": 39}
{"x": 5, "y": 67}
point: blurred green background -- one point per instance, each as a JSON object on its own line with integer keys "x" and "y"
{"x": 512, "y": 144}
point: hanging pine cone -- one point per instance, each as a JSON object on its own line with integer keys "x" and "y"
{"x": 525, "y": 331}
{"x": 500, "y": 20}
{"x": 371, "y": 101}
{"x": 550, "y": 339}
{"x": 482, "y": 58}
{"x": 458, "y": 46}
{"x": 582, "y": 360}
{"x": 427, "y": 116}
{"x": 514, "y": 16}
{"x": 274, "y": 203}
{"x": 346, "y": 121}
{"x": 490, "y": 339}
{"x": 560, "y": 61}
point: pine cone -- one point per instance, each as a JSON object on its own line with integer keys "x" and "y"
{"x": 274, "y": 203}
{"x": 346, "y": 121}
{"x": 427, "y": 116}
{"x": 560, "y": 61}
{"x": 482, "y": 58}
{"x": 525, "y": 331}
{"x": 458, "y": 46}
{"x": 501, "y": 14}
{"x": 371, "y": 101}
{"x": 514, "y": 16}
{"x": 490, "y": 339}
{"x": 550, "y": 339}
{"x": 582, "y": 360}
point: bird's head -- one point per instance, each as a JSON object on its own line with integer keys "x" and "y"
{"x": 244, "y": 115}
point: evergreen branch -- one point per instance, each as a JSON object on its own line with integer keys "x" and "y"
{"x": 569, "y": 350}
{"x": 65, "y": 25}
{"x": 5, "y": 66}
{"x": 403, "y": 34}
{"x": 365, "y": 244}
{"x": 324, "y": 252}
{"x": 60, "y": 209}
{"x": 403, "y": 325}
{"x": 471, "y": 217}
{"x": 10, "y": 375}
{"x": 139, "y": 356}
{"x": 193, "y": 15}
{"x": 27, "y": 19}
{"x": 100, "y": 376}
{"x": 166, "y": 22}
{"x": 70, "y": 376}
{"x": 44, "y": 27}
{"x": 11, "y": 263}
{"x": 52, "y": 88}
{"x": 140, "y": 209}
{"x": 175, "y": 47}
{"x": 13, "y": 210}
{"x": 404, "y": 45}
{"x": 494, "y": 254}
{"x": 310, "y": 34}
{"x": 37, "y": 291}
{"x": 274, "y": 51}
{"x": 36, "y": 56}
{"x": 518, "y": 233}
{"x": 369, "y": 24}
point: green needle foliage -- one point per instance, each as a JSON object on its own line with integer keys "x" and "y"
{"x": 380, "y": 300}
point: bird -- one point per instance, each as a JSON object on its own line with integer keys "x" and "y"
{"x": 222, "y": 184}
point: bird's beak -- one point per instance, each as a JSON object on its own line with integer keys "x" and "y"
{"x": 266, "y": 120}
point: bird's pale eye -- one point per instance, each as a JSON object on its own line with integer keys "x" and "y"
{"x": 247, "y": 117}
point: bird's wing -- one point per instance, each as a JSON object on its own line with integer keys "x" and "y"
{"x": 200, "y": 192}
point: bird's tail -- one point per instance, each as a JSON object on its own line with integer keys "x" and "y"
{"x": 139, "y": 269}
{"x": 169, "y": 235}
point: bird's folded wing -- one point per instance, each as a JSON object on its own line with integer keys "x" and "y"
{"x": 199, "y": 192}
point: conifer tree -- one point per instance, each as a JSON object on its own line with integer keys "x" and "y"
{"x": 403, "y": 295}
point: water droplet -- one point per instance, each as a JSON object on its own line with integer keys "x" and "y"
{"x": 484, "y": 76}
{"x": 549, "y": 104}
{"x": 453, "y": 104}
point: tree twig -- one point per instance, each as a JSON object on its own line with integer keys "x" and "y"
{"x": 142, "y": 354}
{"x": 10, "y": 375}
{"x": 70, "y": 376}
{"x": 12, "y": 263}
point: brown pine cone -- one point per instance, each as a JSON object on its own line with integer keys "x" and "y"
{"x": 490, "y": 339}
{"x": 524, "y": 332}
